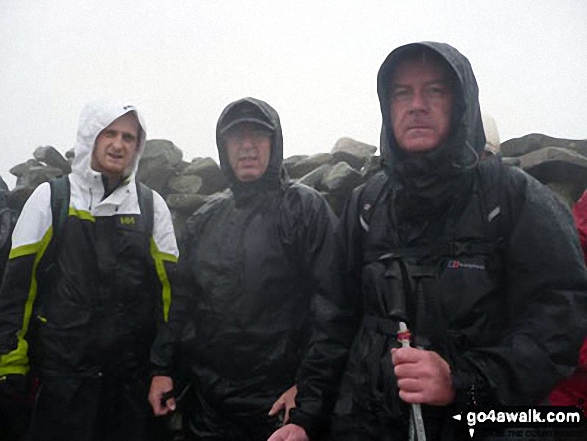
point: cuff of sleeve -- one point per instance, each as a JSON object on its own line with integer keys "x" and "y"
{"x": 471, "y": 390}
{"x": 313, "y": 426}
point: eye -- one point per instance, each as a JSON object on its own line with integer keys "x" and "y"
{"x": 436, "y": 90}
{"x": 127, "y": 137}
{"x": 401, "y": 93}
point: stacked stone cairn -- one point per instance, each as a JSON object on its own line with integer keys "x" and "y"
{"x": 186, "y": 186}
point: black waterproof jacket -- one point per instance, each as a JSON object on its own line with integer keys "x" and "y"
{"x": 479, "y": 259}
{"x": 259, "y": 276}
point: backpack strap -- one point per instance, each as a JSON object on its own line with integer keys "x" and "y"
{"x": 146, "y": 205}
{"x": 60, "y": 194}
{"x": 490, "y": 178}
{"x": 371, "y": 194}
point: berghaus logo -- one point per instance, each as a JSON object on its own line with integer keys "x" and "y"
{"x": 457, "y": 264}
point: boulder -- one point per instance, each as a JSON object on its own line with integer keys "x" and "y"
{"x": 158, "y": 164}
{"x": 50, "y": 156}
{"x": 186, "y": 203}
{"x": 356, "y": 148}
{"x": 306, "y": 165}
{"x": 184, "y": 184}
{"x": 213, "y": 180}
{"x": 291, "y": 160}
{"x": 555, "y": 164}
{"x": 530, "y": 143}
{"x": 315, "y": 177}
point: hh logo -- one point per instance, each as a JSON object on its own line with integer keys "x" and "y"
{"x": 128, "y": 220}
{"x": 455, "y": 264}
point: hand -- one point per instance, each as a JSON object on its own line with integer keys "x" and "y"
{"x": 285, "y": 402}
{"x": 422, "y": 377}
{"x": 289, "y": 432}
{"x": 161, "y": 385}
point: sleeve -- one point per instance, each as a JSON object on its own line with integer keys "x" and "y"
{"x": 546, "y": 296}
{"x": 333, "y": 321}
{"x": 165, "y": 254}
{"x": 164, "y": 251}
{"x": 170, "y": 355}
{"x": 18, "y": 293}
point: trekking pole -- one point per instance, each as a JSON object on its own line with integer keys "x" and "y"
{"x": 417, "y": 431}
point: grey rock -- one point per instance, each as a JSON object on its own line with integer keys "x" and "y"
{"x": 341, "y": 178}
{"x": 36, "y": 175}
{"x": 306, "y": 165}
{"x": 566, "y": 192}
{"x": 50, "y": 156}
{"x": 213, "y": 180}
{"x": 290, "y": 161}
{"x": 555, "y": 164}
{"x": 356, "y": 162}
{"x": 158, "y": 164}
{"x": 184, "y": 184}
{"x": 356, "y": 148}
{"x": 186, "y": 203}
{"x": 162, "y": 151}
{"x": 315, "y": 177}
{"x": 23, "y": 168}
{"x": 156, "y": 177}
{"x": 535, "y": 141}
{"x": 371, "y": 167}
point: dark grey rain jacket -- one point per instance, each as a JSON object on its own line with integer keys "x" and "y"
{"x": 260, "y": 275}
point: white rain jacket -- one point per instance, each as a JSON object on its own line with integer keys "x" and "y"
{"x": 100, "y": 310}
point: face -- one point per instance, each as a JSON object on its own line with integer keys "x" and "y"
{"x": 249, "y": 148}
{"x": 421, "y": 100}
{"x": 116, "y": 147}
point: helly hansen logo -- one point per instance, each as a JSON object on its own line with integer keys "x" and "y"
{"x": 128, "y": 220}
{"x": 456, "y": 264}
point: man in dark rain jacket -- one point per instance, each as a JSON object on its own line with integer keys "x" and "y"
{"x": 260, "y": 282}
{"x": 98, "y": 309}
{"x": 480, "y": 260}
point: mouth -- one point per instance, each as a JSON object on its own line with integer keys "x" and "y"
{"x": 248, "y": 159}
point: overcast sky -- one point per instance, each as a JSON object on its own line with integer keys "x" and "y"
{"x": 315, "y": 61}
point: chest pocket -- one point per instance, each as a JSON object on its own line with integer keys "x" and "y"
{"x": 132, "y": 242}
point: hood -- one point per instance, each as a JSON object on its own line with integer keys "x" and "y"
{"x": 466, "y": 141}
{"x": 251, "y": 109}
{"x": 94, "y": 118}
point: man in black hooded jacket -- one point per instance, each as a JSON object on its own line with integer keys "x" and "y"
{"x": 480, "y": 260}
{"x": 260, "y": 283}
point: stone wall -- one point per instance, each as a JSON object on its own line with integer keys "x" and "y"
{"x": 558, "y": 163}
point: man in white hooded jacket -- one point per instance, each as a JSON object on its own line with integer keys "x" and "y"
{"x": 109, "y": 292}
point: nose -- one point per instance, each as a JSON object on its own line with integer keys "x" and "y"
{"x": 117, "y": 141}
{"x": 247, "y": 142}
{"x": 419, "y": 101}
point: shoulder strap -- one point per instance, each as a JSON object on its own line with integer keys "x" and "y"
{"x": 60, "y": 193}
{"x": 491, "y": 187}
{"x": 145, "y": 196}
{"x": 369, "y": 198}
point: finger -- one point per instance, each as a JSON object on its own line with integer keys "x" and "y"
{"x": 410, "y": 385}
{"x": 170, "y": 404}
{"x": 405, "y": 355}
{"x": 156, "y": 405}
{"x": 411, "y": 397}
{"x": 277, "y": 407}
